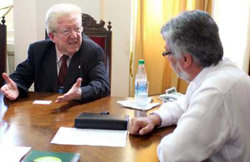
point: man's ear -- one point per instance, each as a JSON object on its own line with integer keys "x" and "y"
{"x": 51, "y": 37}
{"x": 188, "y": 60}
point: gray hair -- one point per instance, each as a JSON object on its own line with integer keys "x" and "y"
{"x": 196, "y": 33}
{"x": 58, "y": 11}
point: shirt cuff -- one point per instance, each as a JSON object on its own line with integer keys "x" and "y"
{"x": 154, "y": 113}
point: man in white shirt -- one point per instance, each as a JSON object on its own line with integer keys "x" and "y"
{"x": 213, "y": 118}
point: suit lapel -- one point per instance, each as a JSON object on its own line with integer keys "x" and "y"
{"x": 50, "y": 68}
{"x": 73, "y": 70}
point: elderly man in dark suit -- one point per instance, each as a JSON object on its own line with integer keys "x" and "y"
{"x": 69, "y": 62}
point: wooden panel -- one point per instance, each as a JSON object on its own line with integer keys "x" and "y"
{"x": 3, "y": 50}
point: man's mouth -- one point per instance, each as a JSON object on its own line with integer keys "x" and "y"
{"x": 73, "y": 43}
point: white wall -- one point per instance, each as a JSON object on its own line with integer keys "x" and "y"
{"x": 29, "y": 18}
{"x": 233, "y": 19}
{"x": 25, "y": 30}
{"x": 119, "y": 13}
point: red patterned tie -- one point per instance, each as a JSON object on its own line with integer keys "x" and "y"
{"x": 63, "y": 70}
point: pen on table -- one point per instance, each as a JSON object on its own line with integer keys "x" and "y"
{"x": 105, "y": 113}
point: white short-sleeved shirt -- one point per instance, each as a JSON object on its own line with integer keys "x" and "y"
{"x": 213, "y": 118}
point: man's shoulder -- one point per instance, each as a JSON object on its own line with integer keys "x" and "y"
{"x": 42, "y": 44}
{"x": 225, "y": 72}
{"x": 225, "y": 76}
{"x": 41, "y": 48}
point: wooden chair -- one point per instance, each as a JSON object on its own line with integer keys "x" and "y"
{"x": 102, "y": 36}
{"x": 3, "y": 48}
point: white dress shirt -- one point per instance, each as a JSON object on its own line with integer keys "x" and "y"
{"x": 59, "y": 60}
{"x": 213, "y": 118}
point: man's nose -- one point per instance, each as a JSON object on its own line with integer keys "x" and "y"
{"x": 73, "y": 34}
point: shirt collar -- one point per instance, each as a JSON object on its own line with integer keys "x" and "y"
{"x": 199, "y": 78}
{"x": 59, "y": 55}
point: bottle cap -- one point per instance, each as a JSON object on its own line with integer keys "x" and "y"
{"x": 141, "y": 62}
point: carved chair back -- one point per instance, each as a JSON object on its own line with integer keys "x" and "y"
{"x": 99, "y": 34}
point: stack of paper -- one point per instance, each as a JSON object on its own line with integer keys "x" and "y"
{"x": 13, "y": 153}
{"x": 3, "y": 107}
{"x": 92, "y": 137}
{"x": 132, "y": 104}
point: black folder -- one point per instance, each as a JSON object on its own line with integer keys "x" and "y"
{"x": 102, "y": 121}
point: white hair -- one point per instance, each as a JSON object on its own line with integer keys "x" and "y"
{"x": 58, "y": 11}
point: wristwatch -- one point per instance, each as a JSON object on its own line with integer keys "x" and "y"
{"x": 155, "y": 113}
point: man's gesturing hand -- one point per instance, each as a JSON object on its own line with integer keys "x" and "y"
{"x": 10, "y": 89}
{"x": 75, "y": 93}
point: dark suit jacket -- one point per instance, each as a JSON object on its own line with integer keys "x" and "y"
{"x": 40, "y": 67}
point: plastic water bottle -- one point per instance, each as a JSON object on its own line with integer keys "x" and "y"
{"x": 141, "y": 85}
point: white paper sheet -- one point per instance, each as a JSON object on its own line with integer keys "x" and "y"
{"x": 13, "y": 153}
{"x": 3, "y": 108}
{"x": 42, "y": 102}
{"x": 132, "y": 104}
{"x": 93, "y": 137}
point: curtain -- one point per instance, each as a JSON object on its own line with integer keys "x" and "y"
{"x": 147, "y": 43}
